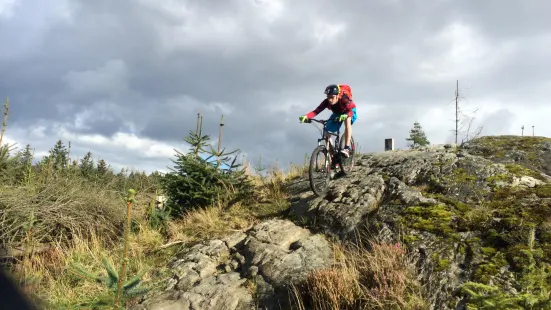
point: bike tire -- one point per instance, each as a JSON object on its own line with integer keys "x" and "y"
{"x": 346, "y": 164}
{"x": 313, "y": 167}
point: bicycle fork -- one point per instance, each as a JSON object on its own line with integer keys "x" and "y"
{"x": 330, "y": 151}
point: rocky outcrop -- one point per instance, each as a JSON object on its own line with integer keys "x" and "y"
{"x": 475, "y": 221}
{"x": 244, "y": 270}
{"x": 466, "y": 219}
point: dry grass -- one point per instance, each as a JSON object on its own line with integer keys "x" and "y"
{"x": 480, "y": 215}
{"x": 47, "y": 279}
{"x": 51, "y": 211}
{"x": 271, "y": 185}
{"x": 379, "y": 278}
{"x": 209, "y": 223}
{"x": 85, "y": 220}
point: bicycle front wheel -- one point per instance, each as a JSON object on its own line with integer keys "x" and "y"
{"x": 320, "y": 170}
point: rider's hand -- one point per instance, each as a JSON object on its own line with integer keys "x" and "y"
{"x": 302, "y": 118}
{"x": 343, "y": 117}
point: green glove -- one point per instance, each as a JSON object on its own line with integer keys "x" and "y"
{"x": 302, "y": 118}
{"x": 343, "y": 117}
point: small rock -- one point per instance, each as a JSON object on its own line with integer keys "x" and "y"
{"x": 526, "y": 181}
{"x": 253, "y": 271}
{"x": 234, "y": 239}
{"x": 234, "y": 264}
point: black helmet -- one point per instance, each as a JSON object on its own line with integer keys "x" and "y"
{"x": 332, "y": 89}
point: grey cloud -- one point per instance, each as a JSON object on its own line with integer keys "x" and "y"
{"x": 109, "y": 79}
{"x": 150, "y": 66}
{"x": 497, "y": 122}
{"x": 513, "y": 20}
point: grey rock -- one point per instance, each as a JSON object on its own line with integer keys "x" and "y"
{"x": 409, "y": 196}
{"x": 270, "y": 247}
{"x": 526, "y": 181}
{"x": 224, "y": 291}
{"x": 345, "y": 204}
{"x": 217, "y": 274}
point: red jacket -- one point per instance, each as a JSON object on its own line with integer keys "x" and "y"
{"x": 343, "y": 106}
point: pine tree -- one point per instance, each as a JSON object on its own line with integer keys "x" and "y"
{"x": 417, "y": 136}
{"x": 86, "y": 165}
{"x": 198, "y": 182}
{"x": 27, "y": 156}
{"x": 58, "y": 157}
{"x": 24, "y": 175}
{"x": 196, "y": 139}
{"x": 102, "y": 167}
{"x": 9, "y": 163}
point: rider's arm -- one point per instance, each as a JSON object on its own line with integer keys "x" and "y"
{"x": 318, "y": 110}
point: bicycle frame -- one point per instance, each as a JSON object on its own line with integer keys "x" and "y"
{"x": 326, "y": 135}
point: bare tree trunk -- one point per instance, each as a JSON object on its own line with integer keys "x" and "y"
{"x": 5, "y": 122}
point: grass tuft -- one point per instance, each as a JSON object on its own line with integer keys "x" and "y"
{"x": 380, "y": 277}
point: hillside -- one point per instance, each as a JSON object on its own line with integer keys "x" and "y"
{"x": 438, "y": 228}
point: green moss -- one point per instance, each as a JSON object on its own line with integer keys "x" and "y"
{"x": 543, "y": 191}
{"x": 462, "y": 249}
{"x": 490, "y": 267}
{"x": 435, "y": 219}
{"x": 502, "y": 143}
{"x": 473, "y": 240}
{"x": 495, "y": 179}
{"x": 442, "y": 264}
{"x": 459, "y": 206}
{"x": 395, "y": 202}
{"x": 460, "y": 175}
{"x": 520, "y": 171}
{"x": 485, "y": 272}
{"x": 488, "y": 251}
{"x": 409, "y": 239}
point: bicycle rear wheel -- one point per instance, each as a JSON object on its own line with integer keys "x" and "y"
{"x": 320, "y": 166}
{"x": 346, "y": 164}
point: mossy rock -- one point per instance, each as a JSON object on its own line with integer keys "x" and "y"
{"x": 435, "y": 219}
{"x": 520, "y": 171}
{"x": 533, "y": 153}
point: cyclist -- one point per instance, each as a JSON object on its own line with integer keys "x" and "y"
{"x": 339, "y": 101}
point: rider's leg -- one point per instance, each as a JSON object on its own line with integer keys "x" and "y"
{"x": 348, "y": 133}
{"x": 332, "y": 127}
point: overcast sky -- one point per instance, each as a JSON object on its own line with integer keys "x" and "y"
{"x": 126, "y": 79}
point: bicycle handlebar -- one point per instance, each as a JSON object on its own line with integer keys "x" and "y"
{"x": 321, "y": 121}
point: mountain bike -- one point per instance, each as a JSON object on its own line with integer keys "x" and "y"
{"x": 332, "y": 158}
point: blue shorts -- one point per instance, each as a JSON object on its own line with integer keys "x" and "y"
{"x": 333, "y": 126}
